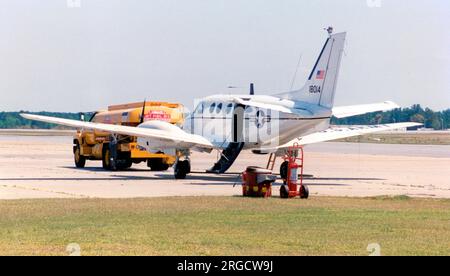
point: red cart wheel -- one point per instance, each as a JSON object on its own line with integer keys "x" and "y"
{"x": 304, "y": 192}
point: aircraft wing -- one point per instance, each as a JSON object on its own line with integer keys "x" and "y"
{"x": 335, "y": 133}
{"x": 174, "y": 136}
{"x": 353, "y": 110}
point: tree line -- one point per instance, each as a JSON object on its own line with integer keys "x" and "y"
{"x": 13, "y": 120}
{"x": 430, "y": 119}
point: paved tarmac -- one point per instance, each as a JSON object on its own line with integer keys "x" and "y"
{"x": 42, "y": 167}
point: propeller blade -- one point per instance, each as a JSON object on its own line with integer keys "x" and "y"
{"x": 143, "y": 111}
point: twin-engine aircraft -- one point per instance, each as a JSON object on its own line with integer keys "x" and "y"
{"x": 263, "y": 124}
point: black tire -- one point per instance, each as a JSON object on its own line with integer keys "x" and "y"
{"x": 105, "y": 157}
{"x": 187, "y": 165}
{"x": 182, "y": 169}
{"x": 126, "y": 164}
{"x": 157, "y": 165}
{"x": 284, "y": 170}
{"x": 80, "y": 160}
{"x": 107, "y": 162}
{"x": 304, "y": 192}
{"x": 284, "y": 191}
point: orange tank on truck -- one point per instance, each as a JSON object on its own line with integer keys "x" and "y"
{"x": 123, "y": 152}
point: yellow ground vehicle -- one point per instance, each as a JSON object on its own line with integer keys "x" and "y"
{"x": 120, "y": 152}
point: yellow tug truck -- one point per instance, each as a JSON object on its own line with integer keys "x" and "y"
{"x": 120, "y": 152}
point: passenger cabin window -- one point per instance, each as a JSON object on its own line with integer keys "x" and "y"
{"x": 219, "y": 108}
{"x": 212, "y": 107}
{"x": 229, "y": 108}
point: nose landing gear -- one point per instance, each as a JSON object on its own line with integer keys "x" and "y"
{"x": 182, "y": 169}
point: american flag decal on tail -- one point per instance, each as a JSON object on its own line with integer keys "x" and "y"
{"x": 320, "y": 75}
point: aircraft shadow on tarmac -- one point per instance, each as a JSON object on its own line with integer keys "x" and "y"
{"x": 208, "y": 179}
{"x": 215, "y": 177}
{"x": 100, "y": 169}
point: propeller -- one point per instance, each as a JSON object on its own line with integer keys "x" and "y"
{"x": 143, "y": 111}
{"x": 252, "y": 88}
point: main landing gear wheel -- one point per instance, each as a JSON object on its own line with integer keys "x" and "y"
{"x": 80, "y": 160}
{"x": 304, "y": 192}
{"x": 182, "y": 168}
{"x": 284, "y": 170}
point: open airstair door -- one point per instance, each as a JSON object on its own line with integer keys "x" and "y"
{"x": 231, "y": 153}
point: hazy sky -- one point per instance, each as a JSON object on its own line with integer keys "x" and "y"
{"x": 58, "y": 57}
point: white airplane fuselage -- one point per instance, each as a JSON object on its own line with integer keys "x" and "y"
{"x": 257, "y": 121}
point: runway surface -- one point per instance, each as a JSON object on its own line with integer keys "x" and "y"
{"x": 42, "y": 167}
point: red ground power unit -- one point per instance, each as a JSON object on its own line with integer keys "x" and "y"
{"x": 257, "y": 182}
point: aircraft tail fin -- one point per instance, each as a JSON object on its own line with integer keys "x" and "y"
{"x": 321, "y": 84}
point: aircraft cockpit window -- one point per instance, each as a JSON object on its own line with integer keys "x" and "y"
{"x": 212, "y": 107}
{"x": 219, "y": 108}
{"x": 199, "y": 109}
{"x": 229, "y": 108}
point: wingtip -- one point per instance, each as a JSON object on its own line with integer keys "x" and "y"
{"x": 406, "y": 124}
{"x": 392, "y": 104}
{"x": 30, "y": 116}
{"x": 417, "y": 124}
